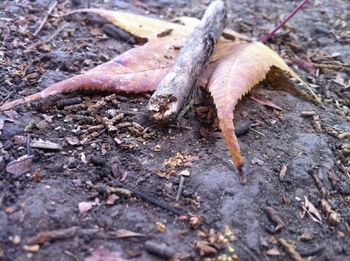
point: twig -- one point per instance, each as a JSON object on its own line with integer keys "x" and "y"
{"x": 290, "y": 250}
{"x": 149, "y": 199}
{"x": 8, "y": 96}
{"x": 30, "y": 48}
{"x": 45, "y": 18}
{"x": 336, "y": 67}
{"x": 71, "y": 255}
{"x": 265, "y": 38}
{"x": 182, "y": 179}
{"x": 176, "y": 87}
{"x": 46, "y": 236}
{"x": 323, "y": 191}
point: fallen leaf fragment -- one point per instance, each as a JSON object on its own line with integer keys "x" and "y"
{"x": 312, "y": 211}
{"x": 265, "y": 102}
{"x": 273, "y": 252}
{"x": 275, "y": 218}
{"x": 20, "y": 166}
{"x": 103, "y": 254}
{"x": 85, "y": 206}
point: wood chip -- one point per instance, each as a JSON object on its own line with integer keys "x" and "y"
{"x": 46, "y": 145}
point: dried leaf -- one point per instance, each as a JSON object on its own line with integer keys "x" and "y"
{"x": 141, "y": 26}
{"x": 246, "y": 66}
{"x": 312, "y": 211}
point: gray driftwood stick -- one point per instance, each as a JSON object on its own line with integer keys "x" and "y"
{"x": 175, "y": 88}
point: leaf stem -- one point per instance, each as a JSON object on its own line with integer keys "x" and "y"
{"x": 266, "y": 37}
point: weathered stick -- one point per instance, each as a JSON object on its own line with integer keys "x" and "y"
{"x": 174, "y": 90}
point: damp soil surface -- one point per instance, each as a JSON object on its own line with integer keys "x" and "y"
{"x": 103, "y": 191}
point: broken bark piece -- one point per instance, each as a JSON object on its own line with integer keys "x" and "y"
{"x": 175, "y": 88}
{"x": 159, "y": 249}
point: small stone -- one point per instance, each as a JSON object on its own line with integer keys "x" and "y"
{"x": 31, "y": 248}
{"x": 16, "y": 239}
{"x": 157, "y": 148}
{"x": 160, "y": 227}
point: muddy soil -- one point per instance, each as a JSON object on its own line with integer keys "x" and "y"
{"x": 75, "y": 190}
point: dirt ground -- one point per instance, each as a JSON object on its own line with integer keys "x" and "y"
{"x": 73, "y": 196}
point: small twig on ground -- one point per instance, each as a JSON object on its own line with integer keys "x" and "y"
{"x": 176, "y": 87}
{"x": 336, "y": 67}
{"x": 290, "y": 250}
{"x": 71, "y": 255}
{"x": 179, "y": 191}
{"x": 46, "y": 236}
{"x": 265, "y": 38}
{"x": 148, "y": 198}
{"x": 43, "y": 22}
{"x": 323, "y": 191}
{"x": 8, "y": 96}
